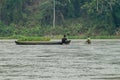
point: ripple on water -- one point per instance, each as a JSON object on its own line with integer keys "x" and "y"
{"x": 77, "y": 61}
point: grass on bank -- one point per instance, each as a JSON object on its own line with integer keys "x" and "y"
{"x": 26, "y": 38}
{"x": 94, "y": 37}
{"x": 47, "y": 38}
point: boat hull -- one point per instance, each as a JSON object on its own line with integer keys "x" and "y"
{"x": 41, "y": 42}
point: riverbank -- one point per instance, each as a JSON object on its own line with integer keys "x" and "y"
{"x": 73, "y": 40}
{"x": 94, "y": 37}
{"x": 58, "y": 37}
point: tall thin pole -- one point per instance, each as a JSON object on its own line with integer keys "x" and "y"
{"x": 53, "y": 13}
{"x": 97, "y": 5}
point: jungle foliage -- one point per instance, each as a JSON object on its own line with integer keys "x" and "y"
{"x": 73, "y": 17}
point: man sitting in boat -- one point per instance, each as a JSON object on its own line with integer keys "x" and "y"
{"x": 88, "y": 40}
{"x": 64, "y": 39}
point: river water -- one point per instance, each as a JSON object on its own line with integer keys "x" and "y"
{"x": 77, "y": 61}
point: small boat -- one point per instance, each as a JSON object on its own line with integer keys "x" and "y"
{"x": 41, "y": 42}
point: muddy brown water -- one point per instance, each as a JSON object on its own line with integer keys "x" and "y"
{"x": 77, "y": 61}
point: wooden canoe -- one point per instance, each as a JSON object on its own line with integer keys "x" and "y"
{"x": 41, "y": 42}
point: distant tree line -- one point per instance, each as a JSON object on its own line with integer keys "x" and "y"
{"x": 73, "y": 17}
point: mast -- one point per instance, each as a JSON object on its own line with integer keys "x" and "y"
{"x": 53, "y": 13}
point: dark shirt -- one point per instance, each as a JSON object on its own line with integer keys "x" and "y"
{"x": 64, "y": 40}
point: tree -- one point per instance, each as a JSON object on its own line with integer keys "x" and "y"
{"x": 102, "y": 12}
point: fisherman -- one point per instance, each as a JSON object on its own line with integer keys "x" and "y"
{"x": 88, "y": 40}
{"x": 64, "y": 39}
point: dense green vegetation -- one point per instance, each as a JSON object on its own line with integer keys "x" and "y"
{"x": 73, "y": 17}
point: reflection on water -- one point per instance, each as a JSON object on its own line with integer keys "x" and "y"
{"x": 77, "y": 61}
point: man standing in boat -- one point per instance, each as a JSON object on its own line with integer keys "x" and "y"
{"x": 64, "y": 39}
